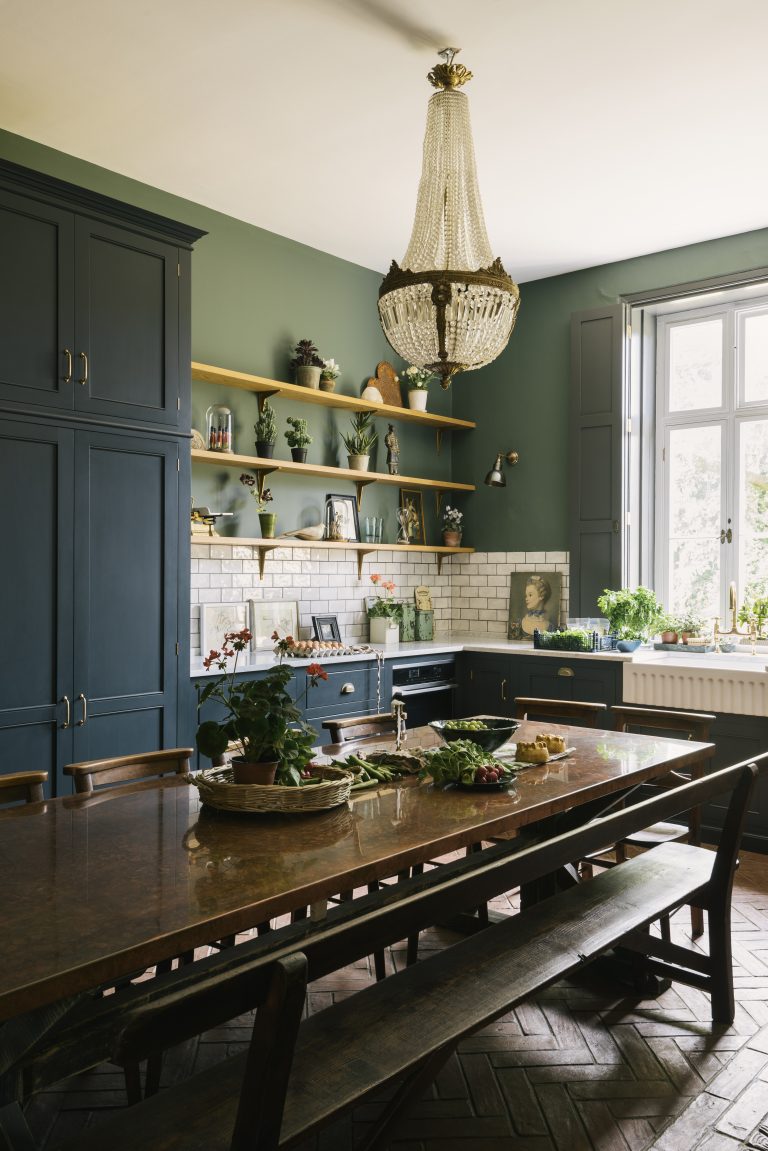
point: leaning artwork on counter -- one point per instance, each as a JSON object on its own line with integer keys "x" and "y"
{"x": 216, "y": 619}
{"x": 534, "y": 603}
{"x": 273, "y": 615}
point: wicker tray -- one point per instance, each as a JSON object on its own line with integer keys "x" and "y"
{"x": 217, "y": 790}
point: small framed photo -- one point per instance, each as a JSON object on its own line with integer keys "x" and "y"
{"x": 412, "y": 509}
{"x": 534, "y": 603}
{"x": 216, "y": 619}
{"x": 273, "y": 615}
{"x": 326, "y": 628}
{"x": 342, "y": 522}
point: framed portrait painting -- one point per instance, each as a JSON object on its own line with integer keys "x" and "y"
{"x": 534, "y": 603}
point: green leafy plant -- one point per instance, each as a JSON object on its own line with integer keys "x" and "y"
{"x": 306, "y": 355}
{"x": 297, "y": 434}
{"x": 690, "y": 623}
{"x": 571, "y": 639}
{"x": 363, "y": 436}
{"x": 417, "y": 378}
{"x": 266, "y": 425}
{"x": 631, "y": 614}
{"x": 755, "y": 610}
{"x": 262, "y": 499}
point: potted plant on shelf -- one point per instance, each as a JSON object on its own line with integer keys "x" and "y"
{"x": 418, "y": 380}
{"x": 452, "y": 526}
{"x": 307, "y": 364}
{"x": 267, "y": 520}
{"x": 298, "y": 439}
{"x": 633, "y": 616}
{"x": 384, "y": 612}
{"x": 360, "y": 441}
{"x": 329, "y": 374}
{"x": 260, "y": 717}
{"x": 266, "y": 431}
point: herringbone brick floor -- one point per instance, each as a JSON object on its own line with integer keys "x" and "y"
{"x": 584, "y": 1065}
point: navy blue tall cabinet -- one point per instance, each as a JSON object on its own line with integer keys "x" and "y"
{"x": 94, "y": 474}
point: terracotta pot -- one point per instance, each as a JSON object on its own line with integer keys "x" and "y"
{"x": 268, "y": 522}
{"x": 417, "y": 399}
{"x": 327, "y": 385}
{"x": 307, "y": 376}
{"x": 669, "y": 637}
{"x": 452, "y": 539}
{"x": 245, "y": 772}
{"x": 359, "y": 463}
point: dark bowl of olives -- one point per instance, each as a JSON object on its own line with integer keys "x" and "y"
{"x": 488, "y": 731}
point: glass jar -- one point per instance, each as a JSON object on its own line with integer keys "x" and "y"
{"x": 218, "y": 424}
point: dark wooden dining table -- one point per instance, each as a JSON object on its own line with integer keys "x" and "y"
{"x": 98, "y": 886}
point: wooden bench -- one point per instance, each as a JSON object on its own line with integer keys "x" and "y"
{"x": 405, "y": 1027}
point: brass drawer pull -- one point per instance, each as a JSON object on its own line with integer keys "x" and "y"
{"x": 504, "y": 691}
{"x": 568, "y": 672}
{"x": 84, "y": 378}
{"x": 347, "y": 689}
{"x": 65, "y": 699}
{"x": 68, "y": 376}
{"x": 84, "y": 701}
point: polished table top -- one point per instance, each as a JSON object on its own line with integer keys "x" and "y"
{"x": 98, "y": 886}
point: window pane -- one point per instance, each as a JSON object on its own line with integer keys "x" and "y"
{"x": 695, "y": 513}
{"x": 695, "y": 365}
{"x": 756, "y": 359}
{"x": 753, "y": 502}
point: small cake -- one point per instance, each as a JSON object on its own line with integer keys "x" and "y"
{"x": 553, "y": 743}
{"x": 531, "y": 753}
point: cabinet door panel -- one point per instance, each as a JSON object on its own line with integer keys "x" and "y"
{"x": 36, "y": 308}
{"x": 126, "y": 575}
{"x": 127, "y": 323}
{"x": 486, "y": 685}
{"x": 35, "y": 591}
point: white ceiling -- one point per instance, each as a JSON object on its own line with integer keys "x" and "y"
{"x": 603, "y": 129}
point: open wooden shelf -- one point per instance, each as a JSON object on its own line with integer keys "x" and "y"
{"x": 363, "y": 549}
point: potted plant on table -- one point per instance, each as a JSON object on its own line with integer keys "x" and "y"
{"x": 418, "y": 380}
{"x": 266, "y": 431}
{"x": 360, "y": 440}
{"x": 260, "y": 717}
{"x": 329, "y": 374}
{"x": 267, "y": 520}
{"x": 384, "y": 612}
{"x": 298, "y": 438}
{"x": 452, "y": 526}
{"x": 633, "y": 615}
{"x": 307, "y": 364}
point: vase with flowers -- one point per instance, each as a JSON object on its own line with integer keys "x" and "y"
{"x": 329, "y": 374}
{"x": 418, "y": 380}
{"x": 260, "y": 718}
{"x": 384, "y": 612}
{"x": 453, "y": 521}
{"x": 267, "y": 520}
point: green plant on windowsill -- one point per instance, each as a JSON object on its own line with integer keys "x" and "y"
{"x": 690, "y": 623}
{"x": 754, "y": 612}
{"x": 631, "y": 614}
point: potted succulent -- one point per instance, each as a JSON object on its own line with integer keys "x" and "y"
{"x": 418, "y": 380}
{"x": 307, "y": 364}
{"x": 360, "y": 441}
{"x": 329, "y": 374}
{"x": 384, "y": 612}
{"x": 633, "y": 616}
{"x": 266, "y": 431}
{"x": 267, "y": 520}
{"x": 298, "y": 439}
{"x": 260, "y": 716}
{"x": 452, "y": 526}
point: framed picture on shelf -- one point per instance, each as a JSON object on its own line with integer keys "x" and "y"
{"x": 216, "y": 619}
{"x": 412, "y": 512}
{"x": 534, "y": 603}
{"x": 273, "y": 615}
{"x": 342, "y": 523}
{"x": 326, "y": 628}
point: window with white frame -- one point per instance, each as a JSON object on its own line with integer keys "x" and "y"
{"x": 711, "y": 457}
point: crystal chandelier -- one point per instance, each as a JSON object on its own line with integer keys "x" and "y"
{"x": 451, "y": 307}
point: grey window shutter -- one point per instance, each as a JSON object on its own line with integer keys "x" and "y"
{"x": 595, "y": 473}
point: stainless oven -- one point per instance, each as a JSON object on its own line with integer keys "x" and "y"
{"x": 426, "y": 689}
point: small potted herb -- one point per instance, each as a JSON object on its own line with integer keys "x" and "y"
{"x": 298, "y": 439}
{"x": 418, "y": 380}
{"x": 453, "y": 521}
{"x": 633, "y": 616}
{"x": 329, "y": 374}
{"x": 690, "y": 625}
{"x": 307, "y": 364}
{"x": 360, "y": 441}
{"x": 754, "y": 613}
{"x": 266, "y": 431}
{"x": 669, "y": 628}
{"x": 267, "y": 520}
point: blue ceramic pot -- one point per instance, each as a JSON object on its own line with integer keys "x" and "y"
{"x": 628, "y": 644}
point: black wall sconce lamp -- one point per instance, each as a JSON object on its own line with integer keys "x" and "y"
{"x": 495, "y": 477}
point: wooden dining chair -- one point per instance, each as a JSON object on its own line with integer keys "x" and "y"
{"x": 92, "y": 774}
{"x": 359, "y": 726}
{"x": 22, "y": 787}
{"x": 559, "y": 710}
{"x": 690, "y": 725}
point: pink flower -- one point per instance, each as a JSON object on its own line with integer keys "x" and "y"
{"x": 315, "y": 671}
{"x": 375, "y": 578}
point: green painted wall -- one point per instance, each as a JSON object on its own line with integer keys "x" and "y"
{"x": 254, "y": 294}
{"x": 521, "y": 400}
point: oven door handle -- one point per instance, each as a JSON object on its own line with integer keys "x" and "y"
{"x": 407, "y": 692}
